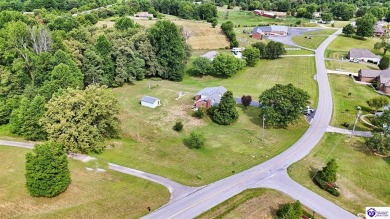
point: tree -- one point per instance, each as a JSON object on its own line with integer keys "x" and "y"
{"x": 225, "y": 113}
{"x": 81, "y": 120}
{"x": 246, "y": 100}
{"x": 365, "y": 25}
{"x": 201, "y": 112}
{"x": 178, "y": 126}
{"x": 283, "y": 104}
{"x": 379, "y": 143}
{"x": 252, "y": 55}
{"x": 92, "y": 68}
{"x": 123, "y": 23}
{"x": 328, "y": 173}
{"x": 343, "y": 10}
{"x": 214, "y": 23}
{"x": 348, "y": 30}
{"x": 226, "y": 65}
{"x": 47, "y": 172}
{"x": 195, "y": 140}
{"x": 262, "y": 47}
{"x": 382, "y": 122}
{"x": 378, "y": 102}
{"x": 290, "y": 211}
{"x": 327, "y": 16}
{"x": 274, "y": 50}
{"x": 384, "y": 44}
{"x": 103, "y": 45}
{"x": 202, "y": 66}
{"x": 170, "y": 49}
{"x": 384, "y": 63}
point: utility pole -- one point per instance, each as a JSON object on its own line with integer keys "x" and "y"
{"x": 356, "y": 120}
{"x": 262, "y": 139}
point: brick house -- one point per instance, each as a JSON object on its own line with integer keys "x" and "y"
{"x": 209, "y": 96}
{"x": 381, "y": 77}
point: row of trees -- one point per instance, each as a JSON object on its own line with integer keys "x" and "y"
{"x": 227, "y": 28}
{"x": 223, "y": 65}
{"x": 20, "y": 5}
{"x": 185, "y": 9}
{"x": 364, "y": 26}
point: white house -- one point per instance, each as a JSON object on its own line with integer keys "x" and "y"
{"x": 364, "y": 55}
{"x": 150, "y": 102}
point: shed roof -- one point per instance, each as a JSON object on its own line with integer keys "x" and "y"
{"x": 271, "y": 28}
{"x": 361, "y": 53}
{"x": 210, "y": 55}
{"x": 149, "y": 99}
{"x": 379, "y": 29}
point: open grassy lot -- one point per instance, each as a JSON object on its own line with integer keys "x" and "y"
{"x": 348, "y": 66}
{"x": 338, "y": 24}
{"x": 362, "y": 177}
{"x": 252, "y": 203}
{"x": 299, "y": 52}
{"x": 248, "y": 19}
{"x": 342, "y": 44}
{"x": 90, "y": 195}
{"x": 344, "y": 105}
{"x": 149, "y": 143}
{"x": 312, "y": 39}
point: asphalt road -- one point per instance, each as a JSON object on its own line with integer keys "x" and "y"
{"x": 273, "y": 173}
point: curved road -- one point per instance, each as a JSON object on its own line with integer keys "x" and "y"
{"x": 273, "y": 173}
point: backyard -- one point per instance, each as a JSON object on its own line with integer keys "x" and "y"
{"x": 362, "y": 177}
{"x": 149, "y": 143}
{"x": 347, "y": 95}
{"x": 90, "y": 195}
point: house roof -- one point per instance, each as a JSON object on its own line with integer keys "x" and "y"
{"x": 384, "y": 77}
{"x": 210, "y": 55}
{"x": 148, "y": 99}
{"x": 379, "y": 29}
{"x": 271, "y": 28}
{"x": 369, "y": 73}
{"x": 212, "y": 93}
{"x": 361, "y": 53}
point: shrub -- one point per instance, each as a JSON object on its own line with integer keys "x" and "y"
{"x": 200, "y": 113}
{"x": 178, "y": 126}
{"x": 324, "y": 185}
{"x": 195, "y": 140}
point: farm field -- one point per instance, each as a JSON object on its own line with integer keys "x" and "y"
{"x": 203, "y": 35}
{"x": 252, "y": 203}
{"x": 91, "y": 194}
{"x": 148, "y": 142}
{"x": 342, "y": 44}
{"x": 312, "y": 39}
{"x": 362, "y": 177}
{"x": 344, "y": 105}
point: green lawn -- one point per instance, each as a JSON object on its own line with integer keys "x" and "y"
{"x": 149, "y": 143}
{"x": 90, "y": 195}
{"x": 348, "y": 66}
{"x": 5, "y": 134}
{"x": 312, "y": 39}
{"x": 344, "y": 105}
{"x": 362, "y": 177}
{"x": 252, "y": 203}
{"x": 248, "y": 19}
{"x": 299, "y": 52}
{"x": 338, "y": 24}
{"x": 342, "y": 44}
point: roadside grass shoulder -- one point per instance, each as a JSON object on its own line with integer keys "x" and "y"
{"x": 347, "y": 95}
{"x": 362, "y": 177}
{"x": 90, "y": 195}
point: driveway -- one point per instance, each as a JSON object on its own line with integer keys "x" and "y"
{"x": 291, "y": 33}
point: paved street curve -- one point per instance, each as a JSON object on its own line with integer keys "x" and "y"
{"x": 272, "y": 173}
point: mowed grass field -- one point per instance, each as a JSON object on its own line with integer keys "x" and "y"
{"x": 148, "y": 142}
{"x": 251, "y": 204}
{"x": 90, "y": 195}
{"x": 342, "y": 44}
{"x": 344, "y": 105}
{"x": 362, "y": 177}
{"x": 312, "y": 39}
{"x": 348, "y": 66}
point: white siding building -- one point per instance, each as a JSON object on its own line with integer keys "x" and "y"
{"x": 150, "y": 102}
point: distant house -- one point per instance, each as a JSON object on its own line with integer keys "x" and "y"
{"x": 316, "y": 14}
{"x": 273, "y": 30}
{"x": 264, "y": 13}
{"x": 210, "y": 55}
{"x": 150, "y": 102}
{"x": 379, "y": 30}
{"x": 143, "y": 14}
{"x": 382, "y": 77}
{"x": 209, "y": 96}
{"x": 363, "y": 55}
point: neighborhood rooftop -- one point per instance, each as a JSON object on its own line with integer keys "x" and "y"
{"x": 149, "y": 99}
{"x": 270, "y": 28}
{"x": 212, "y": 93}
{"x": 369, "y": 73}
{"x": 362, "y": 53}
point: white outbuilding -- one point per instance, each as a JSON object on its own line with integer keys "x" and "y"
{"x": 150, "y": 102}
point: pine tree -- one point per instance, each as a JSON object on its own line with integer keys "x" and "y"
{"x": 225, "y": 113}
{"x": 328, "y": 173}
{"x": 47, "y": 172}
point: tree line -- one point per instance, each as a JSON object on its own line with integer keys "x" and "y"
{"x": 19, "y": 5}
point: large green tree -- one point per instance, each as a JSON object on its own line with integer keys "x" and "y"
{"x": 124, "y": 23}
{"x": 384, "y": 63}
{"x": 202, "y": 66}
{"x": 378, "y": 102}
{"x": 382, "y": 122}
{"x": 47, "y": 172}
{"x": 365, "y": 25}
{"x": 290, "y": 211}
{"x": 81, "y": 120}
{"x": 348, "y": 30}
{"x": 170, "y": 49}
{"x": 225, "y": 113}
{"x": 282, "y": 104}
{"x": 343, "y": 10}
{"x": 379, "y": 143}
{"x": 226, "y": 65}
{"x": 384, "y": 44}
{"x": 252, "y": 55}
